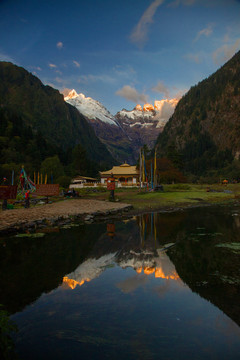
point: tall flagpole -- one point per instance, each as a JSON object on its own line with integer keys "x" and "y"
{"x": 151, "y": 175}
{"x": 155, "y": 168}
{"x": 143, "y": 168}
{"x": 140, "y": 169}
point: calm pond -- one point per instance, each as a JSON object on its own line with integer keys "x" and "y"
{"x": 158, "y": 286}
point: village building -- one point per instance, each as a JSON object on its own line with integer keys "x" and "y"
{"x": 82, "y": 181}
{"x": 125, "y": 175}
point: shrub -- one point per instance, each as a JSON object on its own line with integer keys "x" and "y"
{"x": 63, "y": 181}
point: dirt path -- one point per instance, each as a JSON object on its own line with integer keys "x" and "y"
{"x": 11, "y": 218}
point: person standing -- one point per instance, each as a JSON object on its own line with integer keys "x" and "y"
{"x": 27, "y": 199}
{"x": 111, "y": 187}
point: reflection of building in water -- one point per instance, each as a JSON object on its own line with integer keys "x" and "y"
{"x": 142, "y": 253}
{"x": 111, "y": 230}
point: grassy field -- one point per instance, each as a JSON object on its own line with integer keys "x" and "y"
{"x": 182, "y": 195}
{"x": 173, "y": 196}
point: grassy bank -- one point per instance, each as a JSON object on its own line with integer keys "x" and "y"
{"x": 182, "y": 195}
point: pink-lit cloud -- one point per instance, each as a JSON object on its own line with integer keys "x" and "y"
{"x": 76, "y": 63}
{"x": 130, "y": 93}
{"x": 225, "y": 52}
{"x": 59, "y": 45}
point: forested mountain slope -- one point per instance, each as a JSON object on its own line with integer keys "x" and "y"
{"x": 36, "y": 119}
{"x": 204, "y": 131}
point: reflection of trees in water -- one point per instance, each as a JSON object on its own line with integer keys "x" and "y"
{"x": 212, "y": 272}
{"x": 134, "y": 245}
{"x": 30, "y": 267}
{"x": 160, "y": 227}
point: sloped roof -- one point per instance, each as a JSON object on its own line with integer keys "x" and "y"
{"x": 124, "y": 169}
{"x": 79, "y": 177}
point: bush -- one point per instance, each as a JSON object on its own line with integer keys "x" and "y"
{"x": 63, "y": 181}
{"x": 20, "y": 197}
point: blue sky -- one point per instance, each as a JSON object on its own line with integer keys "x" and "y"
{"x": 120, "y": 52}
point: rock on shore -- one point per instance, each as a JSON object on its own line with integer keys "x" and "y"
{"x": 58, "y": 213}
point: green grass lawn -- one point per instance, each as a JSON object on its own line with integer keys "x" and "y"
{"x": 173, "y": 196}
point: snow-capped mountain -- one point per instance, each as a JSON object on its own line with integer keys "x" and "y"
{"x": 127, "y": 131}
{"x": 149, "y": 115}
{"x": 143, "y": 125}
{"x": 90, "y": 108}
{"x": 105, "y": 126}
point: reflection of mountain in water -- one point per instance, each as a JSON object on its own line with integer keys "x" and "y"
{"x": 138, "y": 248}
{"x": 159, "y": 265}
{"x": 88, "y": 270}
{"x": 31, "y": 267}
{"x": 211, "y": 271}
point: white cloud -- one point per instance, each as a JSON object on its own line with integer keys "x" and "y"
{"x": 105, "y": 78}
{"x": 205, "y": 3}
{"x": 5, "y": 57}
{"x": 162, "y": 89}
{"x": 59, "y": 45}
{"x": 76, "y": 63}
{"x": 52, "y": 66}
{"x": 204, "y": 32}
{"x": 65, "y": 91}
{"x": 36, "y": 68}
{"x": 131, "y": 284}
{"x": 167, "y": 109}
{"x": 178, "y": 93}
{"x": 169, "y": 92}
{"x": 124, "y": 71}
{"x": 130, "y": 93}
{"x": 193, "y": 57}
{"x": 225, "y": 52}
{"x": 139, "y": 34}
{"x": 59, "y": 80}
{"x": 182, "y": 2}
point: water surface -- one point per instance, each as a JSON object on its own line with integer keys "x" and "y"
{"x": 159, "y": 286}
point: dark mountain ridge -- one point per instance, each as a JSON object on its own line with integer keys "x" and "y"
{"x": 205, "y": 127}
{"x": 43, "y": 111}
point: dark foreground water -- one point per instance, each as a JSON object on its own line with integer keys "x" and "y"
{"x": 160, "y": 286}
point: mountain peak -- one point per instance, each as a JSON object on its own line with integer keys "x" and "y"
{"x": 90, "y": 108}
{"x": 71, "y": 95}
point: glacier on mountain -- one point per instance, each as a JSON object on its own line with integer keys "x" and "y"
{"x": 128, "y": 130}
{"x": 90, "y": 108}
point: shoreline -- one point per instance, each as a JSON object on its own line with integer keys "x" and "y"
{"x": 58, "y": 214}
{"x": 83, "y": 210}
